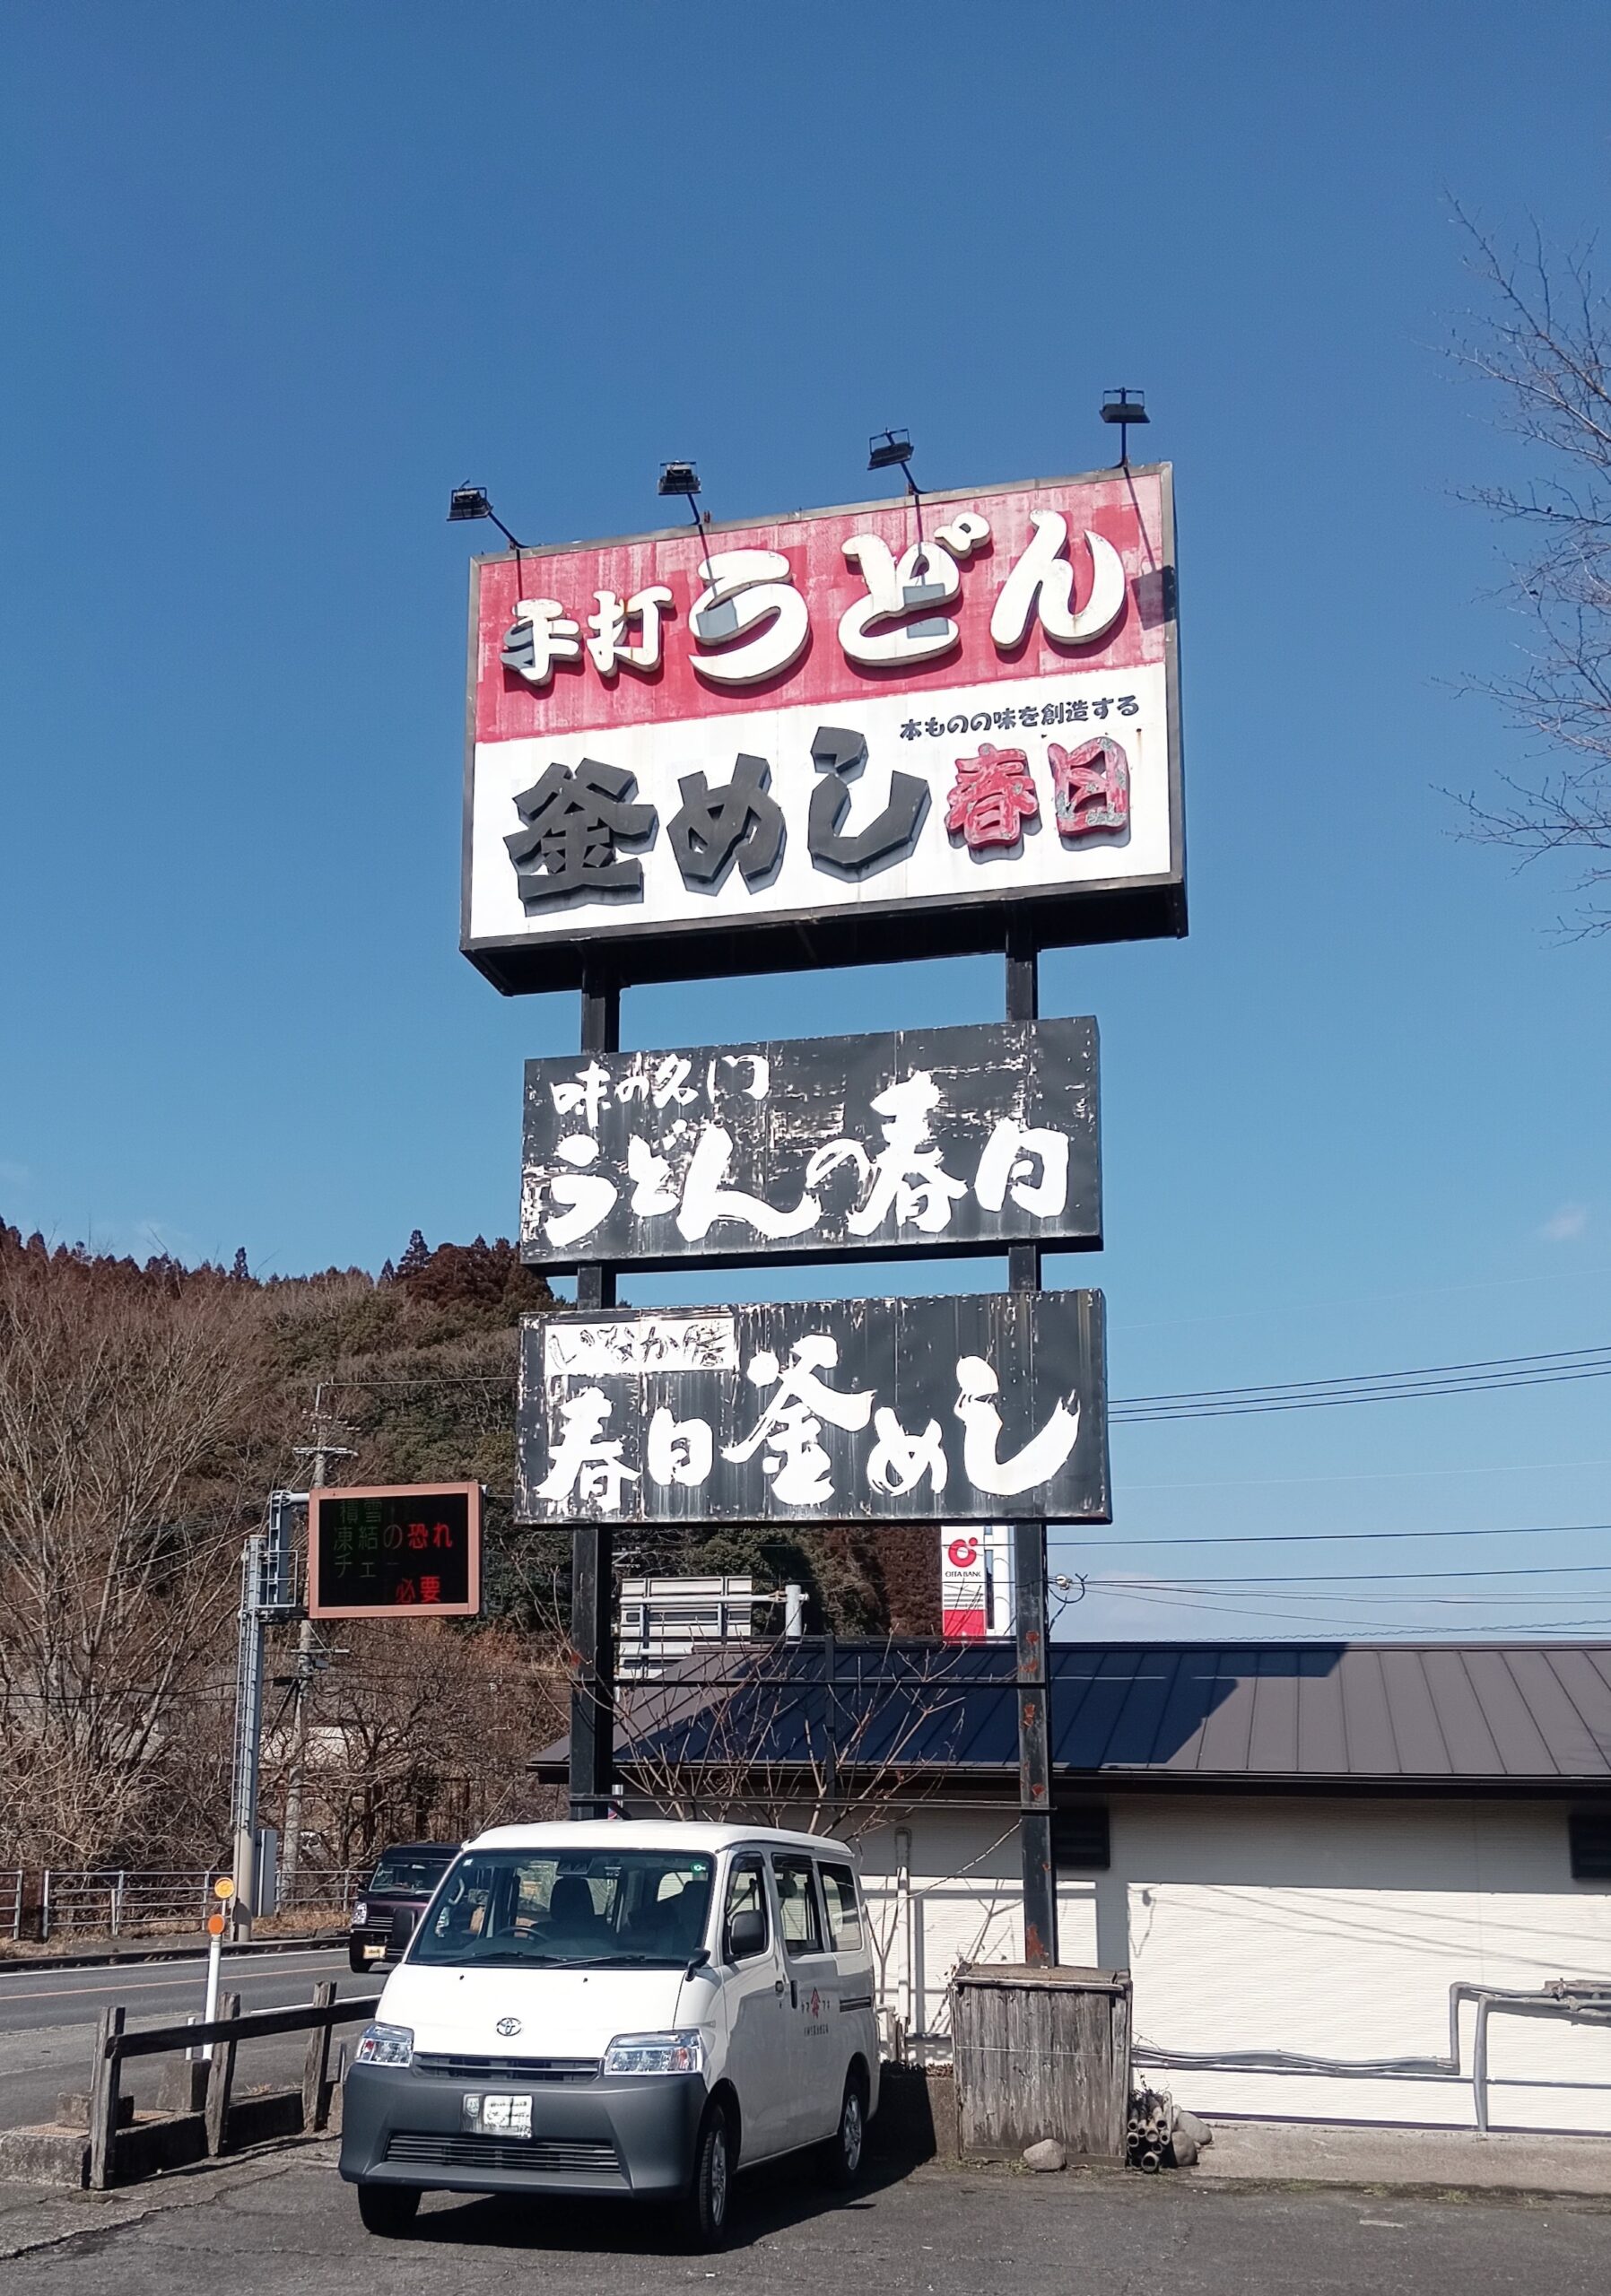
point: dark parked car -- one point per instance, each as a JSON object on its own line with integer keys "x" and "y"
{"x": 397, "y": 1893}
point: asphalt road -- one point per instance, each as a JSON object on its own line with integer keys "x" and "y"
{"x": 294, "y": 2228}
{"x": 48, "y": 2019}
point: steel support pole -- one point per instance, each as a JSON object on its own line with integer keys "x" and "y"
{"x": 248, "y": 1733}
{"x": 1029, "y": 1560}
{"x": 593, "y": 1544}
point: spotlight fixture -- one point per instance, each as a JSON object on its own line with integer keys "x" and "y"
{"x": 1124, "y": 407}
{"x": 679, "y": 478}
{"x": 892, "y": 450}
{"x": 473, "y": 502}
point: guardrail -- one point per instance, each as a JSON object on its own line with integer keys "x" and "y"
{"x": 224, "y": 2034}
{"x": 117, "y": 1901}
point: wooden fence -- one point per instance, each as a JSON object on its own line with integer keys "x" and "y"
{"x": 223, "y": 2033}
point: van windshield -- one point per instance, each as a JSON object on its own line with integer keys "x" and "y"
{"x": 602, "y": 1908}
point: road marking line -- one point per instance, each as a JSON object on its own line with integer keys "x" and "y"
{"x": 131, "y": 1985}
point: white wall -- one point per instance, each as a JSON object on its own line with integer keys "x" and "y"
{"x": 1323, "y": 1928}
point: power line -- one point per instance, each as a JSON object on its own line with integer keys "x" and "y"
{"x": 1335, "y": 1627}
{"x": 1357, "y": 1379}
{"x": 1555, "y": 1369}
{"x": 1326, "y": 1538}
{"x": 1366, "y": 1578}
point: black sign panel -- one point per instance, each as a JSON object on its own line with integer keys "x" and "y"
{"x": 965, "y": 1410}
{"x": 391, "y": 1551}
{"x": 932, "y": 1140}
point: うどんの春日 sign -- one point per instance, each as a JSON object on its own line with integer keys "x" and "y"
{"x": 964, "y": 1409}
{"x": 828, "y": 738}
{"x": 938, "y": 1140}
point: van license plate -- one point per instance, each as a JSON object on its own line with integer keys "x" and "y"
{"x": 498, "y": 2115}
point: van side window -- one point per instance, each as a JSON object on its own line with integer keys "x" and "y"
{"x": 844, "y": 1914}
{"x": 797, "y": 1905}
{"x": 746, "y": 1894}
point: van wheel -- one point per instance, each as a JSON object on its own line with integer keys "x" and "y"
{"x": 841, "y": 2156}
{"x": 705, "y": 2204}
{"x": 388, "y": 2209}
{"x": 357, "y": 1959}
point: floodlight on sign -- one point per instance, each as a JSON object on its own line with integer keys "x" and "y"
{"x": 474, "y": 502}
{"x": 1127, "y": 408}
{"x": 889, "y": 450}
{"x": 679, "y": 478}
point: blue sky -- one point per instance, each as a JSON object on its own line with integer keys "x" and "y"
{"x": 276, "y": 279}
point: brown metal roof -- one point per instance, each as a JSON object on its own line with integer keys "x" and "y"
{"x": 1441, "y": 1714}
{"x": 1347, "y": 1711}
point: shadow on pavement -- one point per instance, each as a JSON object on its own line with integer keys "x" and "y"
{"x": 772, "y": 2198}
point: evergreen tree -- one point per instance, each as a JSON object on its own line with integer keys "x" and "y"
{"x": 240, "y": 1272}
{"x": 416, "y": 1259}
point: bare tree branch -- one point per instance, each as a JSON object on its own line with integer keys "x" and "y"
{"x": 1544, "y": 341}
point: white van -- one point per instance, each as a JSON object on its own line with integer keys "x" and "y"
{"x": 619, "y": 2007}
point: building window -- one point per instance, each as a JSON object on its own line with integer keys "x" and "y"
{"x": 1079, "y": 1839}
{"x": 1590, "y": 1834}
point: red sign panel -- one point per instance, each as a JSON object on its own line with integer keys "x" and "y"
{"x": 874, "y": 726}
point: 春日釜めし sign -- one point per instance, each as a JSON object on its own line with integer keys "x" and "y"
{"x": 829, "y": 737}
{"x": 964, "y": 1409}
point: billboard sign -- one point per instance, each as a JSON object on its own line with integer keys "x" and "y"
{"x": 976, "y": 1583}
{"x": 395, "y": 1550}
{"x": 838, "y": 735}
{"x": 804, "y": 1411}
{"x": 938, "y": 1140}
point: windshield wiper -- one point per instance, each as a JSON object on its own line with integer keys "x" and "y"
{"x": 509, "y": 1958}
{"x": 625, "y": 1961}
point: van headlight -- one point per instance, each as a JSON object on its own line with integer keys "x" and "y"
{"x": 682, "y": 2052}
{"x": 385, "y": 2045}
{"x": 361, "y": 1914}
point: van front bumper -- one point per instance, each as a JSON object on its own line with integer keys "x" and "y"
{"x": 613, "y": 2134}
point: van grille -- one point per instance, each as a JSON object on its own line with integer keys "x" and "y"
{"x": 508, "y": 2068}
{"x": 555, "y": 2155}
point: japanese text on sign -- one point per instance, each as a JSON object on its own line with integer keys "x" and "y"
{"x": 939, "y": 1139}
{"x": 376, "y": 1552}
{"x": 826, "y": 718}
{"x": 850, "y": 1410}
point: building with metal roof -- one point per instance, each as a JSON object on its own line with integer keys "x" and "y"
{"x": 1318, "y": 1861}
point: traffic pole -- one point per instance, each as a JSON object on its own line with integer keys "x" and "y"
{"x": 223, "y": 1890}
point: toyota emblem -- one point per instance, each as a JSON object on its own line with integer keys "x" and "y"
{"x": 508, "y": 2026}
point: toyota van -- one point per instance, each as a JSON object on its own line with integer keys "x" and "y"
{"x": 619, "y": 2008}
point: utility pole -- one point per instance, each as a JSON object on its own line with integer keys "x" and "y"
{"x": 321, "y": 1451}
{"x": 267, "y": 1597}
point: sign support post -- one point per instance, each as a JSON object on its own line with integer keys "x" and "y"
{"x": 1028, "y": 1556}
{"x": 593, "y": 1544}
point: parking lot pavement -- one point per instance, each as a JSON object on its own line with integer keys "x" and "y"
{"x": 288, "y": 2222}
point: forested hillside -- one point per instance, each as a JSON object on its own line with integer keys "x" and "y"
{"x": 145, "y": 1412}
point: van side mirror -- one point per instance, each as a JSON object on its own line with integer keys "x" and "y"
{"x": 746, "y": 1936}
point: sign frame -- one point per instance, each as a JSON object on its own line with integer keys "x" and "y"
{"x": 321, "y": 1496}
{"x": 1035, "y": 1074}
{"x": 1095, "y": 909}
